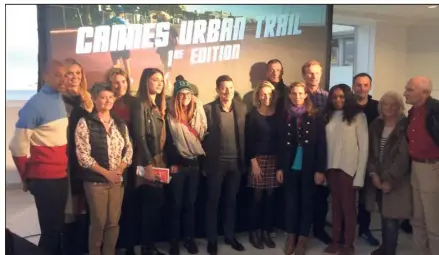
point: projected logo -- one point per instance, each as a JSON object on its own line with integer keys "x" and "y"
{"x": 224, "y": 34}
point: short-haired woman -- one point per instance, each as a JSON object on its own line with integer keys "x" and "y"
{"x": 388, "y": 168}
{"x": 260, "y": 150}
{"x": 104, "y": 150}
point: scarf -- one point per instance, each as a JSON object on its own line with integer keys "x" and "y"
{"x": 187, "y": 137}
{"x": 295, "y": 112}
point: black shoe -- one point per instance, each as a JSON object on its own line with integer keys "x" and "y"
{"x": 406, "y": 227}
{"x": 266, "y": 238}
{"x": 323, "y": 237}
{"x": 234, "y": 244}
{"x": 175, "y": 248}
{"x": 191, "y": 246}
{"x": 130, "y": 251}
{"x": 212, "y": 248}
{"x": 150, "y": 250}
{"x": 255, "y": 239}
{"x": 369, "y": 238}
{"x": 68, "y": 239}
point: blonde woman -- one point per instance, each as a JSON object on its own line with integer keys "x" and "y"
{"x": 78, "y": 104}
{"x": 301, "y": 164}
{"x": 260, "y": 149}
{"x": 388, "y": 168}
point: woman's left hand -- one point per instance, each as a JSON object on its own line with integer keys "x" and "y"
{"x": 385, "y": 187}
{"x": 319, "y": 178}
{"x": 120, "y": 171}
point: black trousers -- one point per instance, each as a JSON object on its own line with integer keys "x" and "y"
{"x": 320, "y": 211}
{"x": 128, "y": 217}
{"x": 151, "y": 201}
{"x": 183, "y": 189}
{"x": 230, "y": 176}
{"x": 299, "y": 189}
{"x": 261, "y": 209}
{"x": 390, "y": 231}
{"x": 363, "y": 217}
{"x": 50, "y": 198}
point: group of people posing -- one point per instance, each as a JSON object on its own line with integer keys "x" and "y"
{"x": 95, "y": 151}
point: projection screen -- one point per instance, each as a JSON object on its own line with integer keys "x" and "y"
{"x": 200, "y": 42}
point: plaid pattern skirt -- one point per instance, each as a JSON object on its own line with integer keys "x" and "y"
{"x": 268, "y": 172}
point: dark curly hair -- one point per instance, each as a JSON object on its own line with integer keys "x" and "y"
{"x": 350, "y": 108}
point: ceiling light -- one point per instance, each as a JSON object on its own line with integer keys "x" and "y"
{"x": 432, "y": 6}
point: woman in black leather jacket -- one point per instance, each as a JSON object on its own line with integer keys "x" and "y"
{"x": 149, "y": 131}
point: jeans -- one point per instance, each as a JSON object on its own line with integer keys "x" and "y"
{"x": 184, "y": 181}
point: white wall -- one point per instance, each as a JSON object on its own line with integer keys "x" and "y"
{"x": 423, "y": 53}
{"x": 404, "y": 52}
{"x": 390, "y": 59}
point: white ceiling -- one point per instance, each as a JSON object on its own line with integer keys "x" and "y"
{"x": 406, "y": 14}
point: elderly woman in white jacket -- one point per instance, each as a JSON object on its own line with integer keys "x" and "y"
{"x": 347, "y": 142}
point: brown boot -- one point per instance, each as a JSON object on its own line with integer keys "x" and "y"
{"x": 290, "y": 244}
{"x": 301, "y": 245}
{"x": 379, "y": 251}
{"x": 266, "y": 239}
{"x": 255, "y": 239}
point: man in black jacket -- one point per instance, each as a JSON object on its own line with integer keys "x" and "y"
{"x": 224, "y": 161}
{"x": 423, "y": 137}
{"x": 274, "y": 73}
{"x": 361, "y": 85}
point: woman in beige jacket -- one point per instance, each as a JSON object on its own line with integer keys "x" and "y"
{"x": 388, "y": 168}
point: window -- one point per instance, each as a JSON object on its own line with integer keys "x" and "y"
{"x": 335, "y": 51}
{"x": 21, "y": 54}
{"x": 348, "y": 51}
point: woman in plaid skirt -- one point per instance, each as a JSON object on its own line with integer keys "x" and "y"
{"x": 260, "y": 151}
{"x": 301, "y": 162}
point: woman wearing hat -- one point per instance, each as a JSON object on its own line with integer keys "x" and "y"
{"x": 187, "y": 126}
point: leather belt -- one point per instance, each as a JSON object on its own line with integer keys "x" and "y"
{"x": 426, "y": 161}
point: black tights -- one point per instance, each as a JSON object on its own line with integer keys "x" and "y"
{"x": 261, "y": 209}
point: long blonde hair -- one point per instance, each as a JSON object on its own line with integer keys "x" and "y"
{"x": 86, "y": 99}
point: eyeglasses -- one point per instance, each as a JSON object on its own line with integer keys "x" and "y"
{"x": 187, "y": 94}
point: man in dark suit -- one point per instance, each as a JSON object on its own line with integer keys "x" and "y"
{"x": 224, "y": 161}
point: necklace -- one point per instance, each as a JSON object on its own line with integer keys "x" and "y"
{"x": 107, "y": 121}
